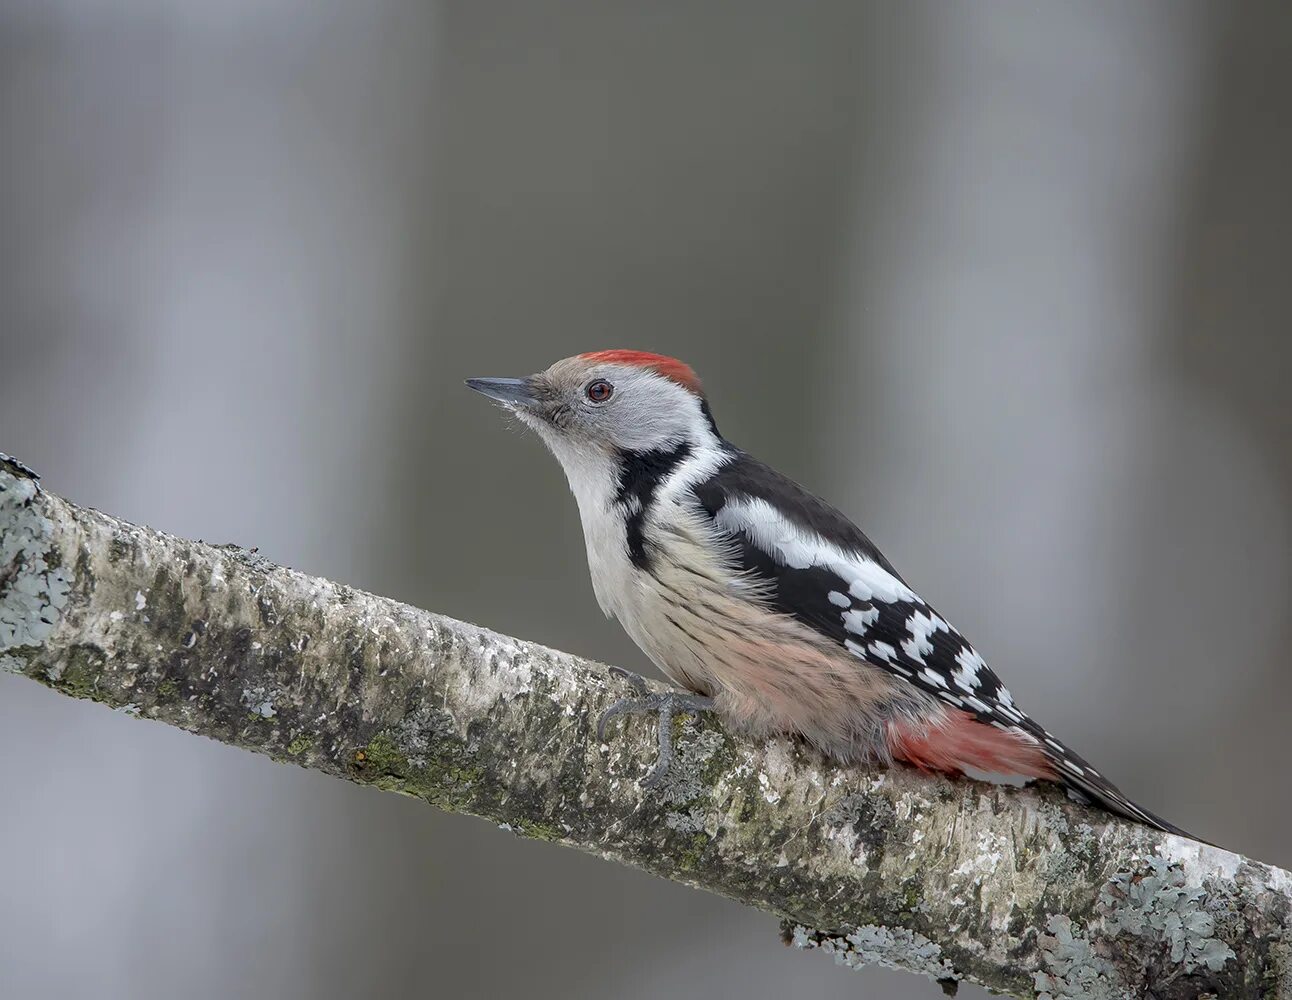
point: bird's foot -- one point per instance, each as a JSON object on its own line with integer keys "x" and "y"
{"x": 667, "y": 704}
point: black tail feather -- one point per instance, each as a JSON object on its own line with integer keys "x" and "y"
{"x": 1078, "y": 776}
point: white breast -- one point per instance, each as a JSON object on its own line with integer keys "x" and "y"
{"x": 593, "y": 480}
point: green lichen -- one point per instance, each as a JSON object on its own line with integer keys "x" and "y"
{"x": 912, "y": 898}
{"x": 167, "y": 690}
{"x": 440, "y": 772}
{"x": 381, "y": 756}
{"x": 78, "y": 676}
{"x": 691, "y": 856}
{"x": 300, "y": 744}
{"x": 537, "y": 830}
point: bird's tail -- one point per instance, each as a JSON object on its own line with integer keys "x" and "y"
{"x": 1077, "y": 775}
{"x": 960, "y": 743}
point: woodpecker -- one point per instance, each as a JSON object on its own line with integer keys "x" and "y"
{"x": 761, "y": 601}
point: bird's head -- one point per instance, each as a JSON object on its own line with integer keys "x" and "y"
{"x": 608, "y": 403}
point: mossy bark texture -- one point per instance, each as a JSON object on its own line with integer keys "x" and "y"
{"x": 1021, "y": 891}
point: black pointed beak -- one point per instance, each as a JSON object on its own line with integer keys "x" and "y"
{"x": 511, "y": 391}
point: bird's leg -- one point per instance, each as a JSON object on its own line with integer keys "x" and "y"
{"x": 668, "y": 704}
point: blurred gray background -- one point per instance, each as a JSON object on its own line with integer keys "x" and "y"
{"x": 1008, "y": 282}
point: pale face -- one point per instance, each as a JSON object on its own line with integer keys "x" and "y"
{"x": 581, "y": 407}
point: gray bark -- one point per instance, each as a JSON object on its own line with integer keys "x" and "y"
{"x": 1019, "y": 890}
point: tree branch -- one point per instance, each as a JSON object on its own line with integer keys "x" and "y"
{"x": 1021, "y": 891}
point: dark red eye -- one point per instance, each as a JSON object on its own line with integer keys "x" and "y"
{"x": 600, "y": 390}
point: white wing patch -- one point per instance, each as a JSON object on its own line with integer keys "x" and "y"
{"x": 796, "y": 548}
{"x": 870, "y": 581}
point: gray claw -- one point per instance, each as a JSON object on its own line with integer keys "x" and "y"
{"x": 668, "y": 704}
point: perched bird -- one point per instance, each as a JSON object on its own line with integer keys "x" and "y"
{"x": 763, "y": 602}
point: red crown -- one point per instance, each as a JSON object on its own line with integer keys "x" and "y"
{"x": 678, "y": 371}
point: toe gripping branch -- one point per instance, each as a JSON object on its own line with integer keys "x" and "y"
{"x": 668, "y": 704}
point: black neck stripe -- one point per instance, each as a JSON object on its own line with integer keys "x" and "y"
{"x": 640, "y": 473}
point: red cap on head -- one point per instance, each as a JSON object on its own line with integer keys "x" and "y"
{"x": 678, "y": 371}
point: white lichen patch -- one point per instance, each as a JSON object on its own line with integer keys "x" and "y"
{"x": 691, "y": 821}
{"x": 1157, "y": 913}
{"x": 1073, "y": 970}
{"x": 1163, "y": 905}
{"x": 684, "y": 781}
{"x": 11, "y": 665}
{"x": 987, "y": 854}
{"x": 33, "y": 594}
{"x": 259, "y": 702}
{"x": 870, "y": 944}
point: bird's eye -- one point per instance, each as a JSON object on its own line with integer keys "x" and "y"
{"x": 600, "y": 390}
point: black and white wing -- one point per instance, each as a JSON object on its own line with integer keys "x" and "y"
{"x": 821, "y": 569}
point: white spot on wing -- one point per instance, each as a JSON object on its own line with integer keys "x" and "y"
{"x": 858, "y": 621}
{"x": 922, "y": 625}
{"x": 966, "y": 673}
{"x": 839, "y": 600}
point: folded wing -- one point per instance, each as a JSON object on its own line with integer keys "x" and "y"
{"x": 816, "y": 565}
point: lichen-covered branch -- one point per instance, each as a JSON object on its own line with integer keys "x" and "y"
{"x": 1019, "y": 890}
